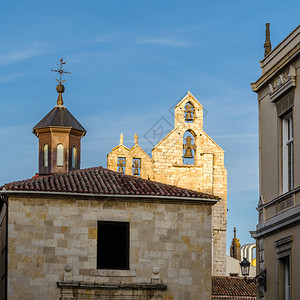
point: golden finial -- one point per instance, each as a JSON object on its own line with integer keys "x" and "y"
{"x": 267, "y": 45}
{"x": 136, "y": 139}
{"x": 60, "y": 88}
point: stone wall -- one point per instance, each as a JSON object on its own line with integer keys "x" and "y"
{"x": 206, "y": 174}
{"x": 54, "y": 240}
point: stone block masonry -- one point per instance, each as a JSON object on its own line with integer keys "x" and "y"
{"x": 53, "y": 241}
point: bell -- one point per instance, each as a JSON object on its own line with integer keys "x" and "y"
{"x": 188, "y": 153}
{"x": 136, "y": 172}
{"x": 121, "y": 170}
{"x": 188, "y": 117}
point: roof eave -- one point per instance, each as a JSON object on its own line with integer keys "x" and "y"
{"x": 71, "y": 130}
{"x": 207, "y": 201}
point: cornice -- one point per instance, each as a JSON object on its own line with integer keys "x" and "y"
{"x": 277, "y": 223}
{"x": 59, "y": 129}
{"x": 282, "y": 84}
{"x": 258, "y": 85}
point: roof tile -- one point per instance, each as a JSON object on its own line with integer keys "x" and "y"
{"x": 228, "y": 287}
{"x": 99, "y": 180}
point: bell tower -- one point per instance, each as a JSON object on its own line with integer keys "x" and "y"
{"x": 59, "y": 135}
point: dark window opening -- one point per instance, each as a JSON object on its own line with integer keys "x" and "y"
{"x": 113, "y": 245}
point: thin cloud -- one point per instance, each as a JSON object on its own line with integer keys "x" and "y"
{"x": 25, "y": 53}
{"x": 163, "y": 41}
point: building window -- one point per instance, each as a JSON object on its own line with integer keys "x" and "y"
{"x": 287, "y": 153}
{"x": 136, "y": 167}
{"x": 74, "y": 157}
{"x": 45, "y": 155}
{"x": 284, "y": 275}
{"x": 284, "y": 256}
{"x": 60, "y": 155}
{"x": 113, "y": 245}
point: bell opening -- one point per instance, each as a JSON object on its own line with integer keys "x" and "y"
{"x": 121, "y": 164}
{"x": 189, "y": 113}
{"x": 188, "y": 149}
{"x": 136, "y": 167}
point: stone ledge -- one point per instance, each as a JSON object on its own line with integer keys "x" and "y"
{"x": 185, "y": 166}
{"x": 113, "y": 273}
{"x": 110, "y": 286}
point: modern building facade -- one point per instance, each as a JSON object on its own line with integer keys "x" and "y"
{"x": 186, "y": 157}
{"x": 278, "y": 230}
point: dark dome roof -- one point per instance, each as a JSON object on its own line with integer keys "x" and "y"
{"x": 59, "y": 116}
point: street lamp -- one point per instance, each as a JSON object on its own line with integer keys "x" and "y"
{"x": 260, "y": 278}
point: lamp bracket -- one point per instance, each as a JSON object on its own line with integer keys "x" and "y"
{"x": 260, "y": 279}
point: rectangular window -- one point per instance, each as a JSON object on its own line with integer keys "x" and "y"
{"x": 284, "y": 278}
{"x": 287, "y": 153}
{"x": 113, "y": 245}
{"x": 284, "y": 262}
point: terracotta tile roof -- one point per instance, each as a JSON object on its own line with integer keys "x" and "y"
{"x": 235, "y": 288}
{"x": 59, "y": 116}
{"x": 99, "y": 180}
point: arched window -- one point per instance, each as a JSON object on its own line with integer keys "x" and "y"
{"x": 74, "y": 157}
{"x": 189, "y": 148}
{"x": 45, "y": 155}
{"x": 189, "y": 112}
{"x": 60, "y": 155}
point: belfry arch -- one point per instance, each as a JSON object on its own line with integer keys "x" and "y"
{"x": 189, "y": 147}
{"x": 189, "y": 112}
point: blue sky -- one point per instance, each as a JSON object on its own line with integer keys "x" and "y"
{"x": 131, "y": 61}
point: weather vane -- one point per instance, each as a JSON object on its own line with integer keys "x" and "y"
{"x": 61, "y": 71}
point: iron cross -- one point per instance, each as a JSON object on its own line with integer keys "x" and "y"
{"x": 61, "y": 71}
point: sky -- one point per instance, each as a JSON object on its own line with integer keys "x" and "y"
{"x": 130, "y": 63}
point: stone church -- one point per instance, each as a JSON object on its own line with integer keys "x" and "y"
{"x": 186, "y": 157}
{"x": 70, "y": 233}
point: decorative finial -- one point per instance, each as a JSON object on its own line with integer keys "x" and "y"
{"x": 235, "y": 248}
{"x": 121, "y": 139}
{"x": 136, "y": 139}
{"x": 267, "y": 45}
{"x": 60, "y": 88}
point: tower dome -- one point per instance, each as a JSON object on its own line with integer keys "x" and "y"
{"x": 59, "y": 134}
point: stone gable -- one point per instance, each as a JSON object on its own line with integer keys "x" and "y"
{"x": 204, "y": 173}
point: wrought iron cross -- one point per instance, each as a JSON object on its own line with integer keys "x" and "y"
{"x": 61, "y": 71}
